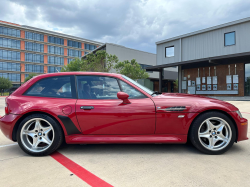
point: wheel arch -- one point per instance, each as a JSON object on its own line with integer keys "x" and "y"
{"x": 14, "y": 132}
{"x": 215, "y": 110}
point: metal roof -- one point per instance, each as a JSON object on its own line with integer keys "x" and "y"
{"x": 205, "y": 30}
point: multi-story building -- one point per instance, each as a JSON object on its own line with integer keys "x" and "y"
{"x": 25, "y": 49}
{"x": 212, "y": 62}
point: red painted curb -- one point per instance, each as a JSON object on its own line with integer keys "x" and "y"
{"x": 79, "y": 171}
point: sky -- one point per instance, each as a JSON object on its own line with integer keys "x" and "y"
{"x": 135, "y": 24}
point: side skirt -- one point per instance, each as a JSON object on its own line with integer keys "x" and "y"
{"x": 106, "y": 139}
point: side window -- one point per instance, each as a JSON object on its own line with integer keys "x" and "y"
{"x": 60, "y": 87}
{"x": 131, "y": 91}
{"x": 97, "y": 87}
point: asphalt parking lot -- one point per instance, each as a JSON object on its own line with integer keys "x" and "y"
{"x": 128, "y": 165}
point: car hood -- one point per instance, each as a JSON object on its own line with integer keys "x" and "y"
{"x": 189, "y": 103}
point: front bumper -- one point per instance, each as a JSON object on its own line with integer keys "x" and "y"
{"x": 7, "y": 124}
{"x": 242, "y": 126}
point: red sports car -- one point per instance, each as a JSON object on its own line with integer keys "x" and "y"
{"x": 87, "y": 108}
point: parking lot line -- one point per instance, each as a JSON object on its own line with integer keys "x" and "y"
{"x": 79, "y": 171}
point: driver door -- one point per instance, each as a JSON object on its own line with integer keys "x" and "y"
{"x": 105, "y": 114}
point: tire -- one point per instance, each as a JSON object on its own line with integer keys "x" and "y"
{"x": 212, "y": 133}
{"x": 39, "y": 135}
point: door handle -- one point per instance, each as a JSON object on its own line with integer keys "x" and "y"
{"x": 86, "y": 107}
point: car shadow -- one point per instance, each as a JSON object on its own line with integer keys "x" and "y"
{"x": 139, "y": 149}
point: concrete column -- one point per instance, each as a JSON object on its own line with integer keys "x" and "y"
{"x": 179, "y": 78}
{"x": 160, "y": 80}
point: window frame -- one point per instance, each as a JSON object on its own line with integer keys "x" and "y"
{"x": 72, "y": 82}
{"x": 225, "y": 38}
{"x": 166, "y": 51}
{"x": 118, "y": 81}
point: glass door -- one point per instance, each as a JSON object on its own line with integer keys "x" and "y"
{"x": 247, "y": 79}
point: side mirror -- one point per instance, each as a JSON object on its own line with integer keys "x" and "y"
{"x": 123, "y": 96}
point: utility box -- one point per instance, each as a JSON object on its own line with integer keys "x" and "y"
{"x": 198, "y": 87}
{"x": 229, "y": 87}
{"x": 235, "y": 86}
{"x": 209, "y": 87}
{"x": 203, "y": 87}
{"x": 215, "y": 87}
{"x": 229, "y": 79}
{"x": 235, "y": 79}
{"x": 215, "y": 80}
{"x": 209, "y": 80}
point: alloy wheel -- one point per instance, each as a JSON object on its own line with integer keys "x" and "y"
{"x": 214, "y": 133}
{"x": 37, "y": 135}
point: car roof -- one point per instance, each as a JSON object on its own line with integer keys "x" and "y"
{"x": 79, "y": 73}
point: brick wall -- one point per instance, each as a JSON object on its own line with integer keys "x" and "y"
{"x": 22, "y": 34}
{"x": 82, "y": 53}
{"x": 82, "y": 45}
{"x": 65, "y": 61}
{"x": 221, "y": 72}
{"x": 65, "y": 42}
{"x": 45, "y": 38}
{"x": 22, "y": 45}
{"x": 65, "y": 52}
{"x": 45, "y": 49}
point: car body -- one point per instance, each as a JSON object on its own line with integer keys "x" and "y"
{"x": 145, "y": 118}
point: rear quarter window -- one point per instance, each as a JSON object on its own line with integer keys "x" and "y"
{"x": 58, "y": 87}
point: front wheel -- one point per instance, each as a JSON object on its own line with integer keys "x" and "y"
{"x": 39, "y": 135}
{"x": 213, "y": 133}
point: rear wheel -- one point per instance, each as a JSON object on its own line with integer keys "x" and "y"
{"x": 213, "y": 133}
{"x": 39, "y": 135}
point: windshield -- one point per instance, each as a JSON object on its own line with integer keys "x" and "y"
{"x": 138, "y": 85}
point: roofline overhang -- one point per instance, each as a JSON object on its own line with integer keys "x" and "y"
{"x": 160, "y": 67}
{"x": 205, "y": 30}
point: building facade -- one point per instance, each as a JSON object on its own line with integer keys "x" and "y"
{"x": 25, "y": 49}
{"x": 211, "y": 62}
{"x": 145, "y": 59}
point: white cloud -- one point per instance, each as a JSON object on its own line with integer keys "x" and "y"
{"x": 132, "y": 23}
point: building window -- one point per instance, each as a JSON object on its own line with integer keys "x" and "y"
{"x": 56, "y": 40}
{"x": 229, "y": 38}
{"x": 55, "y": 50}
{"x": 9, "y": 55}
{"x": 33, "y": 68}
{"x": 9, "y": 32}
{"x": 69, "y": 60}
{"x": 34, "y": 36}
{"x": 29, "y": 57}
{"x": 169, "y": 51}
{"x": 52, "y": 69}
{"x": 55, "y": 60}
{"x": 89, "y": 47}
{"x": 74, "y": 53}
{"x": 14, "y": 77}
{"x": 9, "y": 43}
{"x": 8, "y": 66}
{"x": 74, "y": 44}
{"x": 34, "y": 47}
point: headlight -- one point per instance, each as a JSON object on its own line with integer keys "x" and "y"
{"x": 238, "y": 112}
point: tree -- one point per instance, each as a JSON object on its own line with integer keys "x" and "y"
{"x": 4, "y": 84}
{"x": 74, "y": 65}
{"x": 31, "y": 75}
{"x": 131, "y": 69}
{"x": 176, "y": 84}
{"x": 100, "y": 61}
